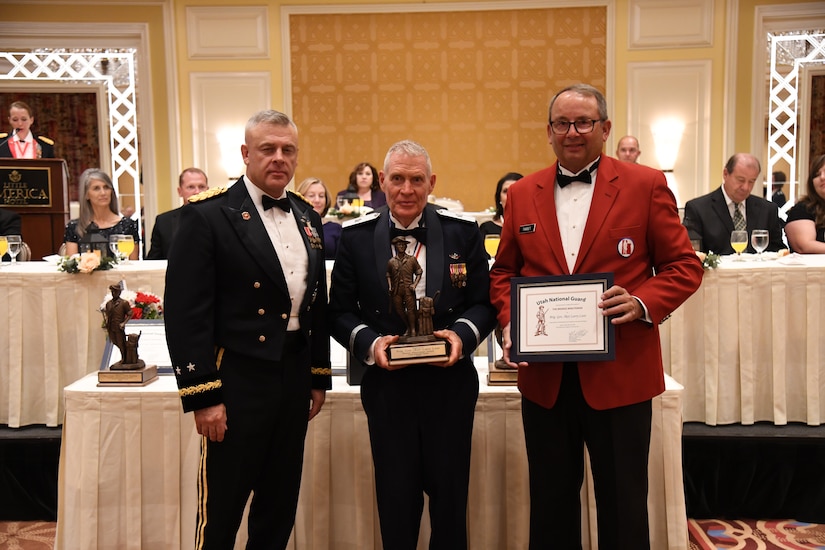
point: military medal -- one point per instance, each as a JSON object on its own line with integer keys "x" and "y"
{"x": 458, "y": 275}
{"x": 312, "y": 234}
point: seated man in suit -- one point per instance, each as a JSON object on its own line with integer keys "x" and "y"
{"x": 711, "y": 218}
{"x": 191, "y": 182}
{"x": 9, "y": 225}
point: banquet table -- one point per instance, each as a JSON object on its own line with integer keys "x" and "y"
{"x": 50, "y": 332}
{"x": 748, "y": 345}
{"x": 129, "y": 456}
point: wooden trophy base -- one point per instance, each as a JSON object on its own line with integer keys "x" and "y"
{"x": 134, "y": 377}
{"x": 410, "y": 352}
{"x": 499, "y": 376}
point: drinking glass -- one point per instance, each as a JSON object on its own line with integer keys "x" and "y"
{"x": 125, "y": 245}
{"x": 491, "y": 244}
{"x": 14, "y": 243}
{"x": 739, "y": 242}
{"x": 759, "y": 241}
{"x": 113, "y": 239}
{"x": 4, "y": 246}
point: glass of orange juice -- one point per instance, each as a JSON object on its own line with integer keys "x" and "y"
{"x": 4, "y": 246}
{"x": 125, "y": 246}
{"x": 491, "y": 244}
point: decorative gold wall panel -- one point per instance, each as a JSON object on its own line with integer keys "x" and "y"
{"x": 472, "y": 87}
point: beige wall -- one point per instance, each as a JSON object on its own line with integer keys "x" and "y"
{"x": 661, "y": 59}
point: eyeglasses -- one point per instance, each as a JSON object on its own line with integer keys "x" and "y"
{"x": 583, "y": 126}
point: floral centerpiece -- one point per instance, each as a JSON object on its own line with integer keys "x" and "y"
{"x": 86, "y": 262}
{"x": 145, "y": 305}
{"x": 347, "y": 210}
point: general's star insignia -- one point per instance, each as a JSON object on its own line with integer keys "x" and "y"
{"x": 177, "y": 371}
{"x": 191, "y": 367}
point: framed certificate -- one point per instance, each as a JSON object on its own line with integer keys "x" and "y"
{"x": 557, "y": 318}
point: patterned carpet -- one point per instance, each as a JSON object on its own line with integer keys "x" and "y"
{"x": 705, "y": 534}
{"x": 27, "y": 535}
{"x": 712, "y": 534}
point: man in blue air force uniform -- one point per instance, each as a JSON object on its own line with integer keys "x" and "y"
{"x": 245, "y": 308}
{"x": 420, "y": 416}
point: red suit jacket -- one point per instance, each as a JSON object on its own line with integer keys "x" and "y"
{"x": 630, "y": 201}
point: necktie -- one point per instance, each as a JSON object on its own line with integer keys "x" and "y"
{"x": 418, "y": 233}
{"x": 739, "y": 223}
{"x": 269, "y": 202}
{"x": 583, "y": 176}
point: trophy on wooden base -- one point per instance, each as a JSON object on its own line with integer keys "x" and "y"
{"x": 417, "y": 344}
{"x": 130, "y": 369}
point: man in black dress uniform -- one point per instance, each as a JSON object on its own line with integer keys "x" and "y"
{"x": 191, "y": 182}
{"x": 420, "y": 416}
{"x": 245, "y": 309}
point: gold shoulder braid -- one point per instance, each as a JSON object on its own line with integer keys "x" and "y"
{"x": 300, "y": 196}
{"x": 3, "y": 134}
{"x": 47, "y": 140}
{"x": 208, "y": 194}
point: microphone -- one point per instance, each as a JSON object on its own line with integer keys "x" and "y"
{"x": 13, "y": 133}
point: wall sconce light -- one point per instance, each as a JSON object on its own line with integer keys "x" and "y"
{"x": 667, "y": 137}
{"x": 230, "y": 140}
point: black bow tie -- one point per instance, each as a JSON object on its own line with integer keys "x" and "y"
{"x": 583, "y": 176}
{"x": 418, "y": 233}
{"x": 269, "y": 202}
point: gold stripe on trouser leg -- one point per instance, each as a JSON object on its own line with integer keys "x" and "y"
{"x": 203, "y": 488}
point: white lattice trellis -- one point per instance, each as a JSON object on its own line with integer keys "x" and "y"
{"x": 116, "y": 69}
{"x": 788, "y": 54}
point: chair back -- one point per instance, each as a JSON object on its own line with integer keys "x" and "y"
{"x": 25, "y": 253}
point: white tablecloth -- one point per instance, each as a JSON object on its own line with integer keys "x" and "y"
{"x": 748, "y": 345}
{"x": 129, "y": 455}
{"x": 51, "y": 335}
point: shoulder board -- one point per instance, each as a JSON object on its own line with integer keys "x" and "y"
{"x": 47, "y": 140}
{"x": 208, "y": 194}
{"x": 300, "y": 196}
{"x": 445, "y": 213}
{"x": 372, "y": 216}
{"x": 3, "y": 134}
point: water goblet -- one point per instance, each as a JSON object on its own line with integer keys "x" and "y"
{"x": 125, "y": 245}
{"x": 113, "y": 239}
{"x": 739, "y": 242}
{"x": 759, "y": 241}
{"x": 14, "y": 244}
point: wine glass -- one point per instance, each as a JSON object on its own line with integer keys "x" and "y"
{"x": 125, "y": 245}
{"x": 14, "y": 244}
{"x": 739, "y": 242}
{"x": 491, "y": 244}
{"x": 4, "y": 246}
{"x": 113, "y": 239}
{"x": 759, "y": 241}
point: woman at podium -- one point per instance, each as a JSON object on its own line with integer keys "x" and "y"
{"x": 99, "y": 213}
{"x": 21, "y": 143}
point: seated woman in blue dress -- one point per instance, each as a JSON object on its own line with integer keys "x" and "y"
{"x": 364, "y": 185}
{"x": 315, "y": 191}
{"x": 99, "y": 213}
{"x": 805, "y": 227}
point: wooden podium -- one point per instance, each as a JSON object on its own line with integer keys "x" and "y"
{"x": 37, "y": 190}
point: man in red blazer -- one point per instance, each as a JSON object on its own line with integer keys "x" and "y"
{"x": 626, "y": 223}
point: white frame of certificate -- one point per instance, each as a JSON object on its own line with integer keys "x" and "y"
{"x": 557, "y": 318}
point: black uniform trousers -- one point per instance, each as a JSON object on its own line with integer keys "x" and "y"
{"x": 267, "y": 410}
{"x": 421, "y": 425}
{"x": 618, "y": 441}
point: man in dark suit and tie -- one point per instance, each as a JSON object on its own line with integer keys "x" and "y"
{"x": 9, "y": 225}
{"x": 711, "y": 218}
{"x": 191, "y": 182}
{"x": 589, "y": 213}
{"x": 245, "y": 314}
{"x": 420, "y": 416}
